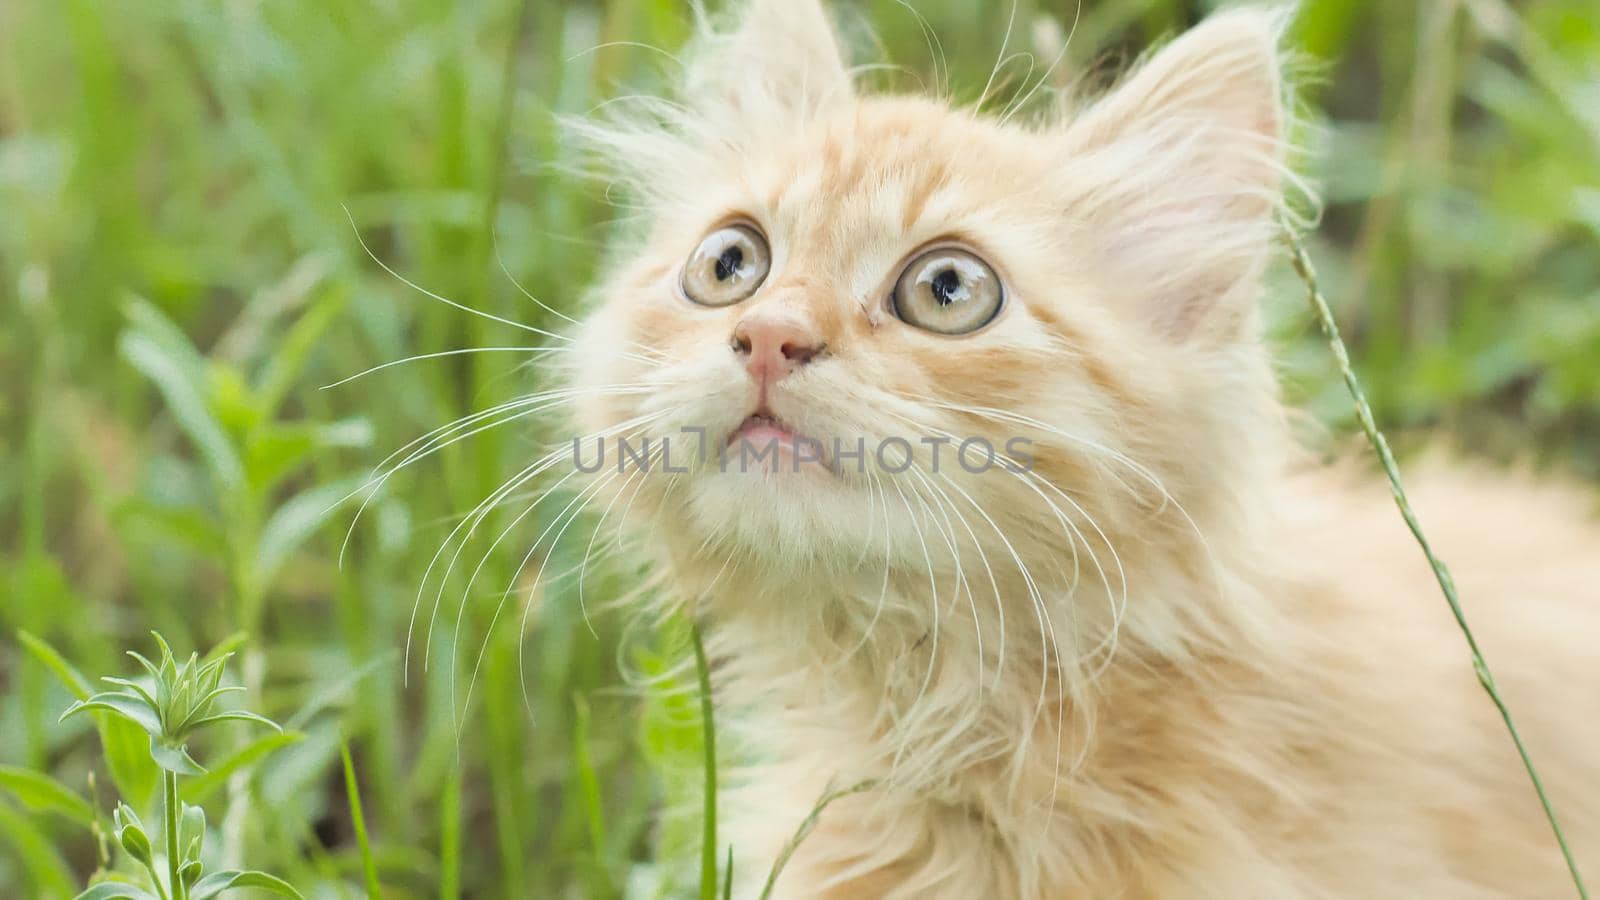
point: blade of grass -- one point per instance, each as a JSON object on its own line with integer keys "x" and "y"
{"x": 1319, "y": 306}
{"x": 708, "y": 844}
{"x": 805, "y": 829}
{"x": 594, "y": 812}
{"x": 450, "y": 837}
{"x": 358, "y": 820}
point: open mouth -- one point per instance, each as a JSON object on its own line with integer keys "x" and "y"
{"x": 762, "y": 427}
{"x": 763, "y": 438}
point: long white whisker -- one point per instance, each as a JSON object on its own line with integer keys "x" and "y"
{"x": 875, "y": 484}
{"x": 582, "y": 503}
{"x": 1049, "y": 644}
{"x": 430, "y": 294}
{"x": 629, "y": 425}
{"x": 434, "y": 441}
{"x": 994, "y": 584}
{"x": 983, "y": 556}
{"x": 437, "y": 355}
{"x": 1020, "y": 103}
{"x": 470, "y": 523}
{"x": 1075, "y": 537}
{"x": 933, "y": 589}
{"x": 640, "y": 45}
{"x": 961, "y": 576}
{"x": 941, "y": 65}
{"x": 1001, "y": 59}
{"x": 583, "y": 569}
{"x": 460, "y": 710}
{"x": 652, "y": 355}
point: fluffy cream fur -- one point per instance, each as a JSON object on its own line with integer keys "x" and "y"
{"x": 1170, "y": 661}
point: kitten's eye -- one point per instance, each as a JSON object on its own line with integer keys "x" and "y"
{"x": 947, "y": 291}
{"x": 727, "y": 267}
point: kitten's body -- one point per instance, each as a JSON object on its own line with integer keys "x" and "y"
{"x": 1351, "y": 755}
{"x": 1159, "y": 663}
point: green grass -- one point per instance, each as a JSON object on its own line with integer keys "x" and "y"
{"x": 178, "y": 278}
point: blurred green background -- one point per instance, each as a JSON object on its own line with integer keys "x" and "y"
{"x": 178, "y": 278}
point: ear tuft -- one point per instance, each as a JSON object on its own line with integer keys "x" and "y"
{"x": 781, "y": 63}
{"x": 743, "y": 88}
{"x": 1225, "y": 73}
{"x": 1187, "y": 157}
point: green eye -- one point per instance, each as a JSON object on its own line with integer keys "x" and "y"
{"x": 948, "y": 292}
{"x": 728, "y": 266}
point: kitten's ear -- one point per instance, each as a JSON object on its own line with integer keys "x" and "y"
{"x": 1183, "y": 164}
{"x": 781, "y": 63}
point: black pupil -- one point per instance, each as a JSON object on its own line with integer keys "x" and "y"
{"x": 730, "y": 262}
{"x": 946, "y": 287}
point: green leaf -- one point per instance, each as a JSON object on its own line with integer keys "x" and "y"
{"x": 295, "y": 521}
{"x": 217, "y": 882}
{"x": 41, "y": 793}
{"x": 124, "y": 745}
{"x": 129, "y": 706}
{"x": 295, "y": 347}
{"x": 134, "y": 686}
{"x": 52, "y": 660}
{"x": 278, "y": 448}
{"x": 160, "y": 351}
{"x": 45, "y": 867}
{"x": 235, "y": 715}
{"x": 174, "y": 759}
{"x": 169, "y": 663}
{"x": 191, "y": 527}
{"x": 197, "y": 714}
{"x": 202, "y": 786}
{"x": 211, "y": 673}
{"x": 358, "y": 820}
{"x": 115, "y": 890}
{"x": 231, "y": 399}
{"x": 152, "y": 668}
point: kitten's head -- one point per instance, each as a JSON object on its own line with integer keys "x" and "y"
{"x": 879, "y": 273}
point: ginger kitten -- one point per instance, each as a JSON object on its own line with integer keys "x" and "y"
{"x": 1135, "y": 648}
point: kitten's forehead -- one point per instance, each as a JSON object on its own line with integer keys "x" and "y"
{"x": 884, "y": 174}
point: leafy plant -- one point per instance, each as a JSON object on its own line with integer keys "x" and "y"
{"x": 173, "y": 703}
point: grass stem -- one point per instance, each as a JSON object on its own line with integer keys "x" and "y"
{"x": 1319, "y": 306}
{"x": 173, "y": 811}
{"x": 708, "y": 844}
{"x": 805, "y": 829}
{"x": 358, "y": 821}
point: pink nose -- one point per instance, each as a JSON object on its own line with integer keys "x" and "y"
{"x": 774, "y": 343}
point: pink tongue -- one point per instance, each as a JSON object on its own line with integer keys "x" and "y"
{"x": 762, "y": 430}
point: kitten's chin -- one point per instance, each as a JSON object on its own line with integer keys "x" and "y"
{"x": 783, "y": 511}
